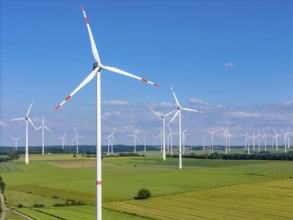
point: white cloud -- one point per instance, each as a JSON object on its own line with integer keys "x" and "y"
{"x": 198, "y": 101}
{"x": 241, "y": 114}
{"x": 116, "y": 102}
{"x": 2, "y": 124}
{"x": 229, "y": 65}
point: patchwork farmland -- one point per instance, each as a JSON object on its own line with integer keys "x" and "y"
{"x": 60, "y": 187}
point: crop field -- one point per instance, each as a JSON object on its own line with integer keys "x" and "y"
{"x": 204, "y": 189}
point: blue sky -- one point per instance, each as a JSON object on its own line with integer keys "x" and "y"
{"x": 233, "y": 60}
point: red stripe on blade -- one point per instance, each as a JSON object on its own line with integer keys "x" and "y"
{"x": 68, "y": 97}
{"x": 99, "y": 183}
{"x": 156, "y": 84}
{"x": 57, "y": 107}
{"x": 144, "y": 80}
{"x": 86, "y": 20}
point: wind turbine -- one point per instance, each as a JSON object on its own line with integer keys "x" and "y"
{"x": 276, "y": 138}
{"x": 98, "y": 67}
{"x": 163, "y": 116}
{"x": 286, "y": 137}
{"x": 135, "y": 138}
{"x": 184, "y": 139}
{"x": 111, "y": 140}
{"x": 204, "y": 143}
{"x": 15, "y": 141}
{"x": 144, "y": 149}
{"x": 248, "y": 147}
{"x": 265, "y": 135}
{"x": 27, "y": 120}
{"x": 171, "y": 141}
{"x": 43, "y": 126}
{"x": 212, "y": 132}
{"x": 227, "y": 137}
{"x": 76, "y": 138}
{"x": 178, "y": 112}
{"x": 62, "y": 141}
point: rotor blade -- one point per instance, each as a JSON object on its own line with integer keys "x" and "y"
{"x": 38, "y": 128}
{"x": 93, "y": 44}
{"x": 170, "y": 113}
{"x": 174, "y": 117}
{"x": 48, "y": 129}
{"x": 177, "y": 102}
{"x": 157, "y": 113}
{"x": 18, "y": 119}
{"x": 84, "y": 82}
{"x": 188, "y": 109}
{"x": 137, "y": 138}
{"x": 29, "y": 110}
{"x": 116, "y": 70}
{"x": 31, "y": 123}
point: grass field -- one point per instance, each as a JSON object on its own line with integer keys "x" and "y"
{"x": 204, "y": 189}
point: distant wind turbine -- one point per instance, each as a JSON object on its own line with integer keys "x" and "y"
{"x": 170, "y": 135}
{"x": 135, "y": 138}
{"x": 163, "y": 117}
{"x": 62, "y": 140}
{"x": 77, "y": 136}
{"x": 43, "y": 126}
{"x": 277, "y": 135}
{"x": 15, "y": 141}
{"x": 265, "y": 135}
{"x": 178, "y": 112}
{"x": 98, "y": 67}
{"x": 203, "y": 143}
{"x": 111, "y": 139}
{"x": 227, "y": 137}
{"x": 212, "y": 132}
{"x": 27, "y": 120}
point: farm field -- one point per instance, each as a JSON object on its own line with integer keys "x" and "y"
{"x": 204, "y": 189}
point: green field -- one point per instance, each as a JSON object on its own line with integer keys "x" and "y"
{"x": 204, "y": 189}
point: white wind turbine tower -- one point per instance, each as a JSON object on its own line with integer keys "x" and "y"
{"x": 163, "y": 117}
{"x": 27, "y": 120}
{"x": 265, "y": 135}
{"x": 62, "y": 141}
{"x": 184, "y": 140}
{"x": 77, "y": 136}
{"x": 212, "y": 132}
{"x": 227, "y": 137}
{"x": 203, "y": 142}
{"x": 286, "y": 139}
{"x": 171, "y": 141}
{"x": 289, "y": 135}
{"x": 111, "y": 139}
{"x": 43, "y": 126}
{"x": 144, "y": 149}
{"x": 108, "y": 143}
{"x": 258, "y": 140}
{"x": 98, "y": 67}
{"x": 135, "y": 138}
{"x": 253, "y": 141}
{"x": 15, "y": 141}
{"x": 178, "y": 112}
{"x": 245, "y": 140}
{"x": 276, "y": 138}
{"x": 248, "y": 144}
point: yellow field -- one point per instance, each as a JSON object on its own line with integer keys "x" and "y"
{"x": 260, "y": 200}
